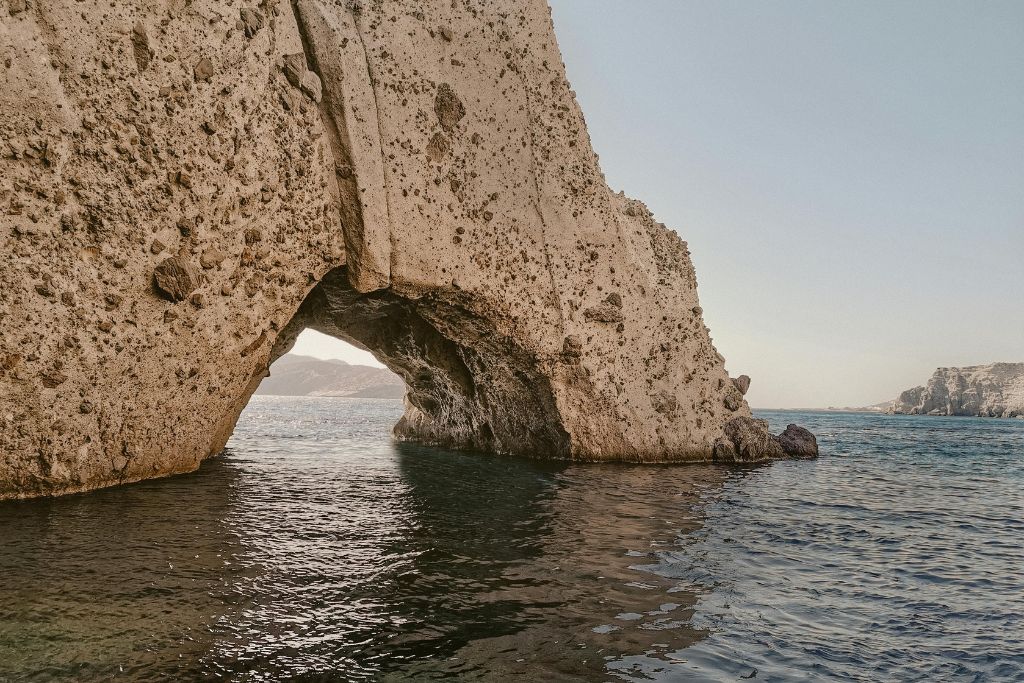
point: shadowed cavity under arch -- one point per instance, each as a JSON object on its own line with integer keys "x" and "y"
{"x": 468, "y": 387}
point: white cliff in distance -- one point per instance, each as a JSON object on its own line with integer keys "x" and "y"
{"x": 994, "y": 390}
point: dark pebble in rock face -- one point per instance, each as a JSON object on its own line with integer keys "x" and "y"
{"x": 175, "y": 278}
{"x": 252, "y": 21}
{"x": 448, "y": 107}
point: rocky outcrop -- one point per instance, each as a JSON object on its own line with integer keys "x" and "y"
{"x": 995, "y": 390}
{"x": 185, "y": 186}
{"x": 748, "y": 440}
{"x": 798, "y": 442}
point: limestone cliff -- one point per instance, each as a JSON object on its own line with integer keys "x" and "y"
{"x": 995, "y": 390}
{"x": 185, "y": 185}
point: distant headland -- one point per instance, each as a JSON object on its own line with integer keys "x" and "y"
{"x": 297, "y": 375}
{"x": 994, "y": 390}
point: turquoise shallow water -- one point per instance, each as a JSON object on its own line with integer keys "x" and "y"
{"x": 317, "y": 550}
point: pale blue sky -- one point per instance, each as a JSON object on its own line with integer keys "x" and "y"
{"x": 849, "y": 175}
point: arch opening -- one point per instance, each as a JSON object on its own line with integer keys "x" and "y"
{"x": 468, "y": 387}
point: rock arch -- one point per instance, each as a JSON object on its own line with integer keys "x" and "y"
{"x": 469, "y": 386}
{"x": 187, "y": 184}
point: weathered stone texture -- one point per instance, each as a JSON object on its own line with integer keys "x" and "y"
{"x": 176, "y": 178}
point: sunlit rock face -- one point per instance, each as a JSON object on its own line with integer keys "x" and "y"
{"x": 179, "y": 178}
{"x": 994, "y": 390}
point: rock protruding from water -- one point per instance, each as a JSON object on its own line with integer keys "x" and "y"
{"x": 994, "y": 390}
{"x": 749, "y": 440}
{"x": 798, "y": 442}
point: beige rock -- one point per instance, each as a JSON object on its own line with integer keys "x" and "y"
{"x": 528, "y": 308}
{"x": 212, "y": 258}
{"x": 994, "y": 390}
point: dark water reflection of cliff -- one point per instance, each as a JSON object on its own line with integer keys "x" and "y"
{"x": 317, "y": 550}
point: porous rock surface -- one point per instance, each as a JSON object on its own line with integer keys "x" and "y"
{"x": 747, "y": 440}
{"x": 184, "y": 186}
{"x": 993, "y": 390}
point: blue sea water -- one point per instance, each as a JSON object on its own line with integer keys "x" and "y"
{"x": 315, "y": 549}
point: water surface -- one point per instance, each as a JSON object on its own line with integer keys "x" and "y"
{"x": 316, "y": 549}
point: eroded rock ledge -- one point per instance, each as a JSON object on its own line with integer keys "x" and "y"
{"x": 185, "y": 186}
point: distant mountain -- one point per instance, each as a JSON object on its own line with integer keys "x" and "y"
{"x": 882, "y": 407}
{"x": 995, "y": 390}
{"x": 294, "y": 375}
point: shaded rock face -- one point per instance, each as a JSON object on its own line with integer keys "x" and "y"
{"x": 798, "y": 442}
{"x": 185, "y": 187}
{"x": 995, "y": 390}
{"x": 748, "y": 440}
{"x": 469, "y": 386}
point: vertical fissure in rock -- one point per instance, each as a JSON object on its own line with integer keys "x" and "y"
{"x": 345, "y": 185}
{"x": 380, "y": 131}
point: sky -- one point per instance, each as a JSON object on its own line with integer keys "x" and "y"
{"x": 849, "y": 176}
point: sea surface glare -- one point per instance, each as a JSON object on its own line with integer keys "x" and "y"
{"x": 316, "y": 549}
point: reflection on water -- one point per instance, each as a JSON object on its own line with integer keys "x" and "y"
{"x": 125, "y": 580}
{"x": 316, "y": 549}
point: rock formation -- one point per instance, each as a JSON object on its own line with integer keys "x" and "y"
{"x": 995, "y": 390}
{"x": 186, "y": 185}
{"x": 748, "y": 440}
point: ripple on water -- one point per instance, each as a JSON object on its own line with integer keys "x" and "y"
{"x": 315, "y": 549}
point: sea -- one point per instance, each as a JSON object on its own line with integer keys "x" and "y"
{"x": 318, "y": 549}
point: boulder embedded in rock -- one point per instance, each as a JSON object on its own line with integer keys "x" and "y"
{"x": 176, "y": 278}
{"x": 294, "y": 67}
{"x": 448, "y": 107}
{"x": 203, "y": 70}
{"x": 752, "y": 440}
{"x": 608, "y": 311}
{"x": 742, "y": 383}
{"x": 311, "y": 86}
{"x": 723, "y": 451}
{"x": 733, "y": 399}
{"x": 252, "y": 21}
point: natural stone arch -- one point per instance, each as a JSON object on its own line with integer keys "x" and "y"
{"x": 185, "y": 182}
{"x": 468, "y": 385}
